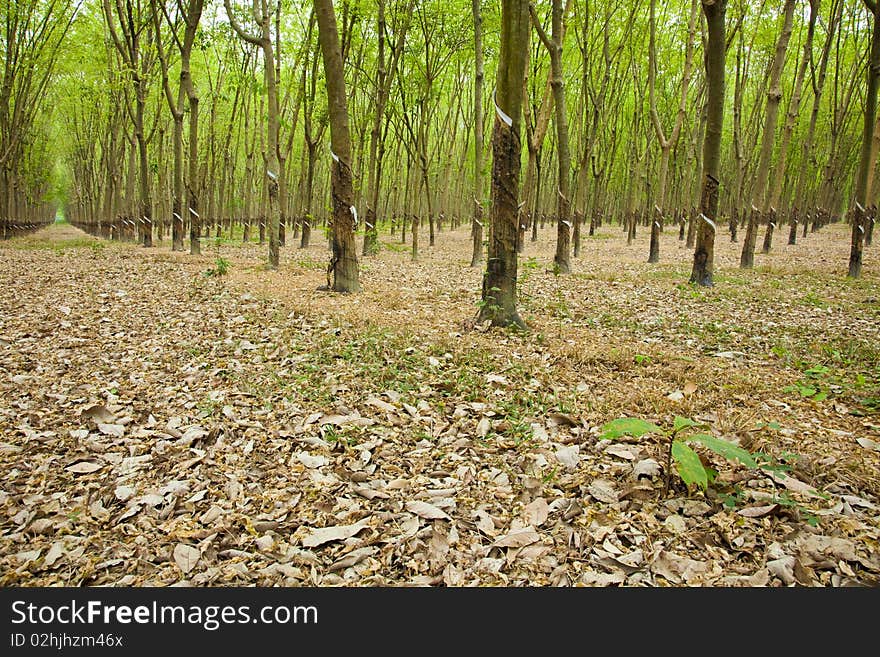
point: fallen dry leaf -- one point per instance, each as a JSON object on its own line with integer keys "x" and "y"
{"x": 322, "y": 535}
{"x": 186, "y": 557}
{"x": 426, "y": 510}
{"x": 518, "y": 538}
{"x": 84, "y": 467}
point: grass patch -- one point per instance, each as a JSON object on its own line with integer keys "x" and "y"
{"x": 395, "y": 248}
{"x": 668, "y": 273}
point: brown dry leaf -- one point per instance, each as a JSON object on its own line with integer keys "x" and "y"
{"x": 867, "y": 443}
{"x": 186, "y": 557}
{"x": 323, "y": 535}
{"x": 98, "y": 413}
{"x": 381, "y": 404}
{"x": 792, "y": 484}
{"x": 518, "y": 538}
{"x": 311, "y": 461}
{"x": 56, "y": 551}
{"x": 569, "y": 456}
{"x": 676, "y": 568}
{"x": 536, "y": 512}
{"x": 426, "y": 510}
{"x": 603, "y": 491}
{"x": 595, "y": 578}
{"x": 758, "y": 511}
{"x": 484, "y": 523}
{"x": 562, "y": 419}
{"x": 84, "y": 467}
{"x": 371, "y": 493}
{"x": 124, "y": 493}
{"x": 647, "y": 468}
{"x": 115, "y": 430}
{"x": 352, "y": 559}
{"x": 626, "y": 452}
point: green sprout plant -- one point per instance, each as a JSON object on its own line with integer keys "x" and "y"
{"x": 810, "y": 387}
{"x": 220, "y": 268}
{"x": 679, "y": 438}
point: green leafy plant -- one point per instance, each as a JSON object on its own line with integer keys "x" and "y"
{"x": 687, "y": 462}
{"x": 805, "y": 390}
{"x": 810, "y": 387}
{"x": 220, "y": 268}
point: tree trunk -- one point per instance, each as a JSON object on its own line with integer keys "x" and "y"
{"x": 760, "y": 198}
{"x": 778, "y": 173}
{"x": 861, "y": 186}
{"x": 344, "y": 262}
{"x": 263, "y": 39}
{"x": 498, "y": 298}
{"x": 666, "y": 144}
{"x": 553, "y": 43}
{"x": 704, "y": 252}
{"x": 477, "y": 223}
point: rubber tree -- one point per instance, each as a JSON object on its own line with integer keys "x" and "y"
{"x": 128, "y": 25}
{"x": 192, "y": 13}
{"x": 760, "y": 197}
{"x": 386, "y": 69}
{"x": 553, "y": 44}
{"x": 261, "y": 14}
{"x": 667, "y": 142}
{"x": 778, "y": 175}
{"x": 343, "y": 265}
{"x": 477, "y": 221}
{"x": 861, "y": 187}
{"x": 715, "y": 55}
{"x": 499, "y": 296}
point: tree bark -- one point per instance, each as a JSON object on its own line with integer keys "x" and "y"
{"x": 553, "y": 44}
{"x": 704, "y": 251}
{"x": 667, "y": 144}
{"x": 262, "y": 16}
{"x": 499, "y": 295}
{"x": 861, "y": 187}
{"x": 344, "y": 263}
{"x": 477, "y": 222}
{"x": 760, "y": 199}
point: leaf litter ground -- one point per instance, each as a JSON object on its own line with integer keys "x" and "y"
{"x": 159, "y": 426}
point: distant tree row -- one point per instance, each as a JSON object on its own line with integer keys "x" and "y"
{"x": 154, "y": 119}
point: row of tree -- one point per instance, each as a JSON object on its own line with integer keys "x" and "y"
{"x": 143, "y": 117}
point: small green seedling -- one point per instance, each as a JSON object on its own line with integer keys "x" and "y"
{"x": 687, "y": 462}
{"x": 221, "y": 268}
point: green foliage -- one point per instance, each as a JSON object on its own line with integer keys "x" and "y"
{"x": 395, "y": 248}
{"x": 220, "y": 268}
{"x": 628, "y": 426}
{"x": 726, "y": 449}
{"x": 810, "y": 387}
{"x": 690, "y": 468}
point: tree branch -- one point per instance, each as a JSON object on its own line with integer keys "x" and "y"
{"x": 239, "y": 30}
{"x": 539, "y": 29}
{"x": 111, "y": 27}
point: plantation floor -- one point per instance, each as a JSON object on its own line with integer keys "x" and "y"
{"x": 159, "y": 425}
